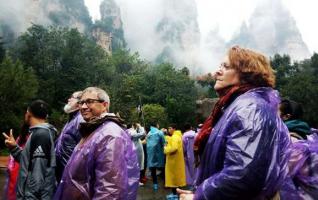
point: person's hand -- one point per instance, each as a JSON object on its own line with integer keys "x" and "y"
{"x": 9, "y": 140}
{"x": 185, "y": 194}
{"x": 144, "y": 141}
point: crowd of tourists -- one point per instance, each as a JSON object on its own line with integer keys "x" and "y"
{"x": 253, "y": 146}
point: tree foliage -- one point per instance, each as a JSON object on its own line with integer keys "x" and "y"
{"x": 2, "y": 50}
{"x": 65, "y": 60}
{"x": 152, "y": 113}
{"x": 18, "y": 86}
{"x": 297, "y": 81}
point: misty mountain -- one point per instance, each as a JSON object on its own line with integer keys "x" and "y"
{"x": 70, "y": 13}
{"x": 17, "y": 15}
{"x": 213, "y": 49}
{"x": 179, "y": 33}
{"x": 163, "y": 31}
{"x": 108, "y": 31}
{"x": 271, "y": 29}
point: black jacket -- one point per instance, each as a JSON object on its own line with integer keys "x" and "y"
{"x": 36, "y": 178}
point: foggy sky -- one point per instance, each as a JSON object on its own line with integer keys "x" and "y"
{"x": 218, "y": 21}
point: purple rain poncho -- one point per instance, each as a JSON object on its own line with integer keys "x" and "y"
{"x": 245, "y": 156}
{"x": 302, "y": 182}
{"x": 67, "y": 141}
{"x": 105, "y": 166}
{"x": 188, "y": 141}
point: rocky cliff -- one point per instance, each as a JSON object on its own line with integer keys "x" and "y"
{"x": 179, "y": 33}
{"x": 271, "y": 29}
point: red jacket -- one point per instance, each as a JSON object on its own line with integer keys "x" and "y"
{"x": 13, "y": 172}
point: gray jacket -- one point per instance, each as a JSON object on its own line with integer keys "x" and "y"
{"x": 36, "y": 178}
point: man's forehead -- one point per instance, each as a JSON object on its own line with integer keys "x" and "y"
{"x": 89, "y": 95}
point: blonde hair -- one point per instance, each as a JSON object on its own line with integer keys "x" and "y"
{"x": 253, "y": 68}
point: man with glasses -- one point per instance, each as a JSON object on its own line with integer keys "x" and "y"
{"x": 104, "y": 164}
{"x": 70, "y": 135}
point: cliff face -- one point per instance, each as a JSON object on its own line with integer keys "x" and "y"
{"x": 179, "y": 33}
{"x": 272, "y": 30}
{"x": 103, "y": 39}
{"x": 18, "y": 15}
{"x": 70, "y": 13}
{"x": 111, "y": 25}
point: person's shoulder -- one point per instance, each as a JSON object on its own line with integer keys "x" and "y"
{"x": 108, "y": 133}
{"x": 40, "y": 132}
{"x": 252, "y": 106}
{"x": 112, "y": 130}
{"x": 189, "y": 135}
{"x": 258, "y": 98}
{"x": 40, "y": 135}
{"x": 160, "y": 133}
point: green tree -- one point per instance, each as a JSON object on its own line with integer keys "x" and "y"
{"x": 64, "y": 61}
{"x": 296, "y": 81}
{"x": 18, "y": 86}
{"x": 205, "y": 85}
{"x": 127, "y": 82}
{"x": 283, "y": 68}
{"x": 314, "y": 63}
{"x": 153, "y": 113}
{"x": 303, "y": 88}
{"x": 173, "y": 89}
{"x": 2, "y": 50}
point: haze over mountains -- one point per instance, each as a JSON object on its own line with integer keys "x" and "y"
{"x": 165, "y": 31}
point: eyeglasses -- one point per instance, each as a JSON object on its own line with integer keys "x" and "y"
{"x": 225, "y": 66}
{"x": 89, "y": 102}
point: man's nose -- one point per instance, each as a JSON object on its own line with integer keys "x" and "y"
{"x": 83, "y": 106}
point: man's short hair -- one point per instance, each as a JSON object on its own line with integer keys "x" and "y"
{"x": 187, "y": 126}
{"x": 153, "y": 123}
{"x": 293, "y": 108}
{"x": 173, "y": 125}
{"x": 39, "y": 109}
{"x": 101, "y": 94}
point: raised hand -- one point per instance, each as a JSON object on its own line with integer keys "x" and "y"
{"x": 9, "y": 140}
